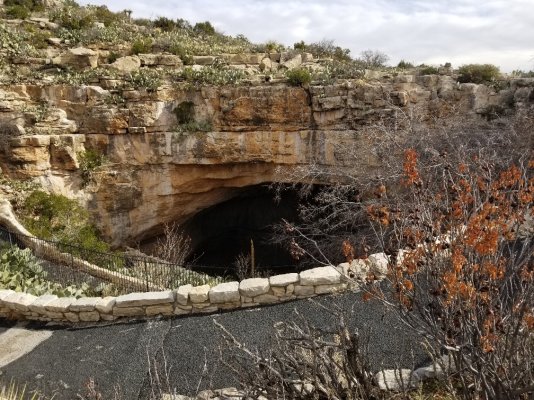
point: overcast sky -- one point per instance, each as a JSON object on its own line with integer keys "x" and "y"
{"x": 430, "y": 31}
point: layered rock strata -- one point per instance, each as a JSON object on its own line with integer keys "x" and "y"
{"x": 157, "y": 169}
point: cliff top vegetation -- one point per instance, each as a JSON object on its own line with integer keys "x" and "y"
{"x": 62, "y": 42}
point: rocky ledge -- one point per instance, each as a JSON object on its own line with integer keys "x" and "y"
{"x": 157, "y": 169}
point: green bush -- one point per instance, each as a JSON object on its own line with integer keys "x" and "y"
{"x": 183, "y": 24}
{"x": 478, "y": 73}
{"x": 141, "y": 45}
{"x": 178, "y": 50}
{"x": 194, "y": 126}
{"x": 165, "y": 24}
{"x": 404, "y": 64}
{"x": 300, "y": 46}
{"x": 113, "y": 56}
{"x": 146, "y": 78}
{"x": 17, "y": 12}
{"x": 522, "y": 74}
{"x": 298, "y": 76}
{"x": 25, "y": 3}
{"x": 428, "y": 70}
{"x": 21, "y": 271}
{"x": 58, "y": 218}
{"x": 271, "y": 46}
{"x": 15, "y": 43}
{"x": 30, "y": 5}
{"x": 104, "y": 15}
{"x": 211, "y": 75}
{"x": 39, "y": 40}
{"x": 73, "y": 17}
{"x": 325, "y": 49}
{"x": 204, "y": 28}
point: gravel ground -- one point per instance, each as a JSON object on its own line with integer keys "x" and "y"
{"x": 115, "y": 356}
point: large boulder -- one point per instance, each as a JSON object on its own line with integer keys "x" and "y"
{"x": 144, "y": 299}
{"x": 79, "y": 58}
{"x": 268, "y": 65}
{"x": 328, "y": 275}
{"x": 243, "y": 58}
{"x": 254, "y": 287}
{"x": 227, "y": 292}
{"x": 293, "y": 62}
{"x": 199, "y": 294}
{"x": 64, "y": 150}
{"x": 126, "y": 64}
{"x": 55, "y": 120}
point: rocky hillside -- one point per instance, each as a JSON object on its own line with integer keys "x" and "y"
{"x": 150, "y": 124}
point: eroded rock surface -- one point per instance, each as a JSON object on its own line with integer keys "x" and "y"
{"x": 157, "y": 171}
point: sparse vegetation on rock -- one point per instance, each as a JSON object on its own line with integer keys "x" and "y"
{"x": 427, "y": 70}
{"x": 142, "y": 45}
{"x": 217, "y": 74}
{"x": 58, "y": 218}
{"x": 89, "y": 161}
{"x": 325, "y": 49}
{"x": 299, "y": 77}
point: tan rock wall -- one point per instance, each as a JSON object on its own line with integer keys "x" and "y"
{"x": 155, "y": 174}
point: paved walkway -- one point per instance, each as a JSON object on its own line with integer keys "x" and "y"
{"x": 118, "y": 357}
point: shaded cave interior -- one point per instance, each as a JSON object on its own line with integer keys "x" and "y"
{"x": 221, "y": 233}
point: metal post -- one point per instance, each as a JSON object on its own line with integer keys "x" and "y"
{"x": 146, "y": 275}
{"x": 252, "y": 260}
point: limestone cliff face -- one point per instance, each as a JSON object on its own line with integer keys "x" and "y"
{"x": 154, "y": 173}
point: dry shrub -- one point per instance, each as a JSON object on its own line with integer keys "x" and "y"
{"x": 174, "y": 247}
{"x": 454, "y": 214}
{"x": 303, "y": 362}
{"x": 462, "y": 269}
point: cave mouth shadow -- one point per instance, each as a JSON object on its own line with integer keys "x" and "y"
{"x": 219, "y": 234}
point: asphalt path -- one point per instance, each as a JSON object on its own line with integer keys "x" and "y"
{"x": 182, "y": 355}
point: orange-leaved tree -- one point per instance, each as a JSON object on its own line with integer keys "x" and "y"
{"x": 461, "y": 266}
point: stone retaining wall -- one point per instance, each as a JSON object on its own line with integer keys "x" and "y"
{"x": 192, "y": 300}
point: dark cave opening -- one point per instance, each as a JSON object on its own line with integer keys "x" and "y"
{"x": 221, "y": 233}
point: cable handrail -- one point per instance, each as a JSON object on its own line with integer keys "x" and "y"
{"x": 72, "y": 264}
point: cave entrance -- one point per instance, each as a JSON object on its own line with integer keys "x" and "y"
{"x": 223, "y": 232}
